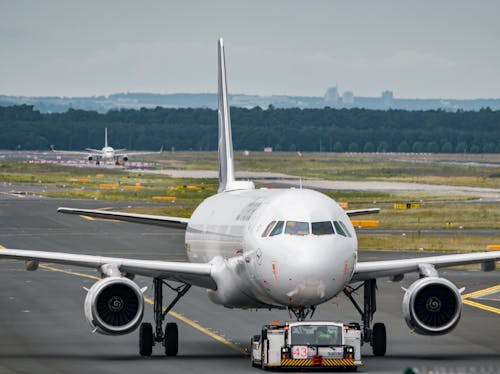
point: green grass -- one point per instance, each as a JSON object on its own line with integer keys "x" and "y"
{"x": 432, "y": 169}
{"x": 460, "y": 242}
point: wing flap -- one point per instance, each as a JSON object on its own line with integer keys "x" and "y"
{"x": 147, "y": 219}
{"x": 192, "y": 273}
{"x": 377, "y": 269}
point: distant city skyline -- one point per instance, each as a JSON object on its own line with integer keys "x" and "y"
{"x": 425, "y": 49}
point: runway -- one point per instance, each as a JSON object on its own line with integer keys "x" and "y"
{"x": 43, "y": 329}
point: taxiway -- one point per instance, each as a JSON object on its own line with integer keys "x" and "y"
{"x": 43, "y": 329}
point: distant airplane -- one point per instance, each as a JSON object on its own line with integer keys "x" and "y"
{"x": 259, "y": 248}
{"x": 108, "y": 153}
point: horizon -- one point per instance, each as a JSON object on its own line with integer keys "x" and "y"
{"x": 244, "y": 94}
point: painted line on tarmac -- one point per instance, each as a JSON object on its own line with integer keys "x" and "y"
{"x": 486, "y": 291}
{"x": 13, "y": 195}
{"x": 87, "y": 217}
{"x": 481, "y": 292}
{"x": 97, "y": 219}
{"x": 176, "y": 315}
{"x": 482, "y": 306}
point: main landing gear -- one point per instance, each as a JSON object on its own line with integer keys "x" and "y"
{"x": 170, "y": 337}
{"x": 375, "y": 335}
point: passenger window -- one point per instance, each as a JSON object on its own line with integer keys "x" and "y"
{"x": 339, "y": 229}
{"x": 297, "y": 228}
{"x": 322, "y": 228}
{"x": 268, "y": 229}
{"x": 345, "y": 229}
{"x": 278, "y": 229}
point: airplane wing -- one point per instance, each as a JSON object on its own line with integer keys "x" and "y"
{"x": 98, "y": 151}
{"x": 121, "y": 152}
{"x": 196, "y": 274}
{"x": 377, "y": 269}
{"x": 165, "y": 221}
{"x": 361, "y": 212}
{"x": 75, "y": 153}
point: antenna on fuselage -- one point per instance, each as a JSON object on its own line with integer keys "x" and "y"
{"x": 227, "y": 181}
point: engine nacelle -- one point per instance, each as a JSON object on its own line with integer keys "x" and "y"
{"x": 114, "y": 306}
{"x": 432, "y": 306}
{"x": 125, "y": 158}
{"x": 90, "y": 158}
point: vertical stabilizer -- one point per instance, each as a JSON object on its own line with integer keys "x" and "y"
{"x": 227, "y": 180}
{"x": 105, "y": 137}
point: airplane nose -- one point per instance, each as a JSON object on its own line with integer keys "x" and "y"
{"x": 310, "y": 272}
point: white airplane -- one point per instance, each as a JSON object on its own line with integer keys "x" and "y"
{"x": 259, "y": 248}
{"x": 108, "y": 153}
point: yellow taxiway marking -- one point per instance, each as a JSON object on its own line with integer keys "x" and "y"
{"x": 13, "y": 194}
{"x": 482, "y": 306}
{"x": 176, "y": 315}
{"x": 99, "y": 219}
{"x": 481, "y": 292}
{"x": 486, "y": 291}
{"x": 87, "y": 217}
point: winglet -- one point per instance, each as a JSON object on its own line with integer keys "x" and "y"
{"x": 227, "y": 180}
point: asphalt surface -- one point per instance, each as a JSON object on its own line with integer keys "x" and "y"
{"x": 43, "y": 329}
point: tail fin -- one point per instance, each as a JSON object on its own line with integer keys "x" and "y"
{"x": 227, "y": 180}
{"x": 106, "y": 137}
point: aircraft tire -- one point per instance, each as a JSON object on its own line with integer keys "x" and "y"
{"x": 171, "y": 339}
{"x": 146, "y": 339}
{"x": 379, "y": 342}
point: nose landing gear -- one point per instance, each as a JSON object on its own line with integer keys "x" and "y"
{"x": 302, "y": 312}
{"x": 375, "y": 335}
{"x": 170, "y": 337}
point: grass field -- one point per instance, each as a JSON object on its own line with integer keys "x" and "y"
{"x": 459, "y": 170}
{"x": 442, "y": 243}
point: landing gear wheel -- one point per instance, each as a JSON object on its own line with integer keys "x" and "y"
{"x": 171, "y": 339}
{"x": 146, "y": 339}
{"x": 379, "y": 339}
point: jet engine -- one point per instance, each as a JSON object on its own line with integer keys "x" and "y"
{"x": 432, "y": 306}
{"x": 114, "y": 306}
{"x": 125, "y": 158}
{"x": 89, "y": 157}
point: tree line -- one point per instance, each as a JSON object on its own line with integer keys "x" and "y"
{"x": 326, "y": 130}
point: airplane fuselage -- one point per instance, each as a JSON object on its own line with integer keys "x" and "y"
{"x": 279, "y": 248}
{"x": 108, "y": 153}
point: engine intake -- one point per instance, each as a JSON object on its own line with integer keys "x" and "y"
{"x": 432, "y": 306}
{"x": 114, "y": 306}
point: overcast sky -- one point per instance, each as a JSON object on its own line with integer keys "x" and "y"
{"x": 414, "y": 48}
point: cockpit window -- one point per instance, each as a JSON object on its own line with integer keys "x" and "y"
{"x": 297, "y": 228}
{"x": 339, "y": 228}
{"x": 268, "y": 229}
{"x": 322, "y": 228}
{"x": 345, "y": 229}
{"x": 278, "y": 229}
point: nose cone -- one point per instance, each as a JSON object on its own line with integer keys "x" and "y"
{"x": 309, "y": 270}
